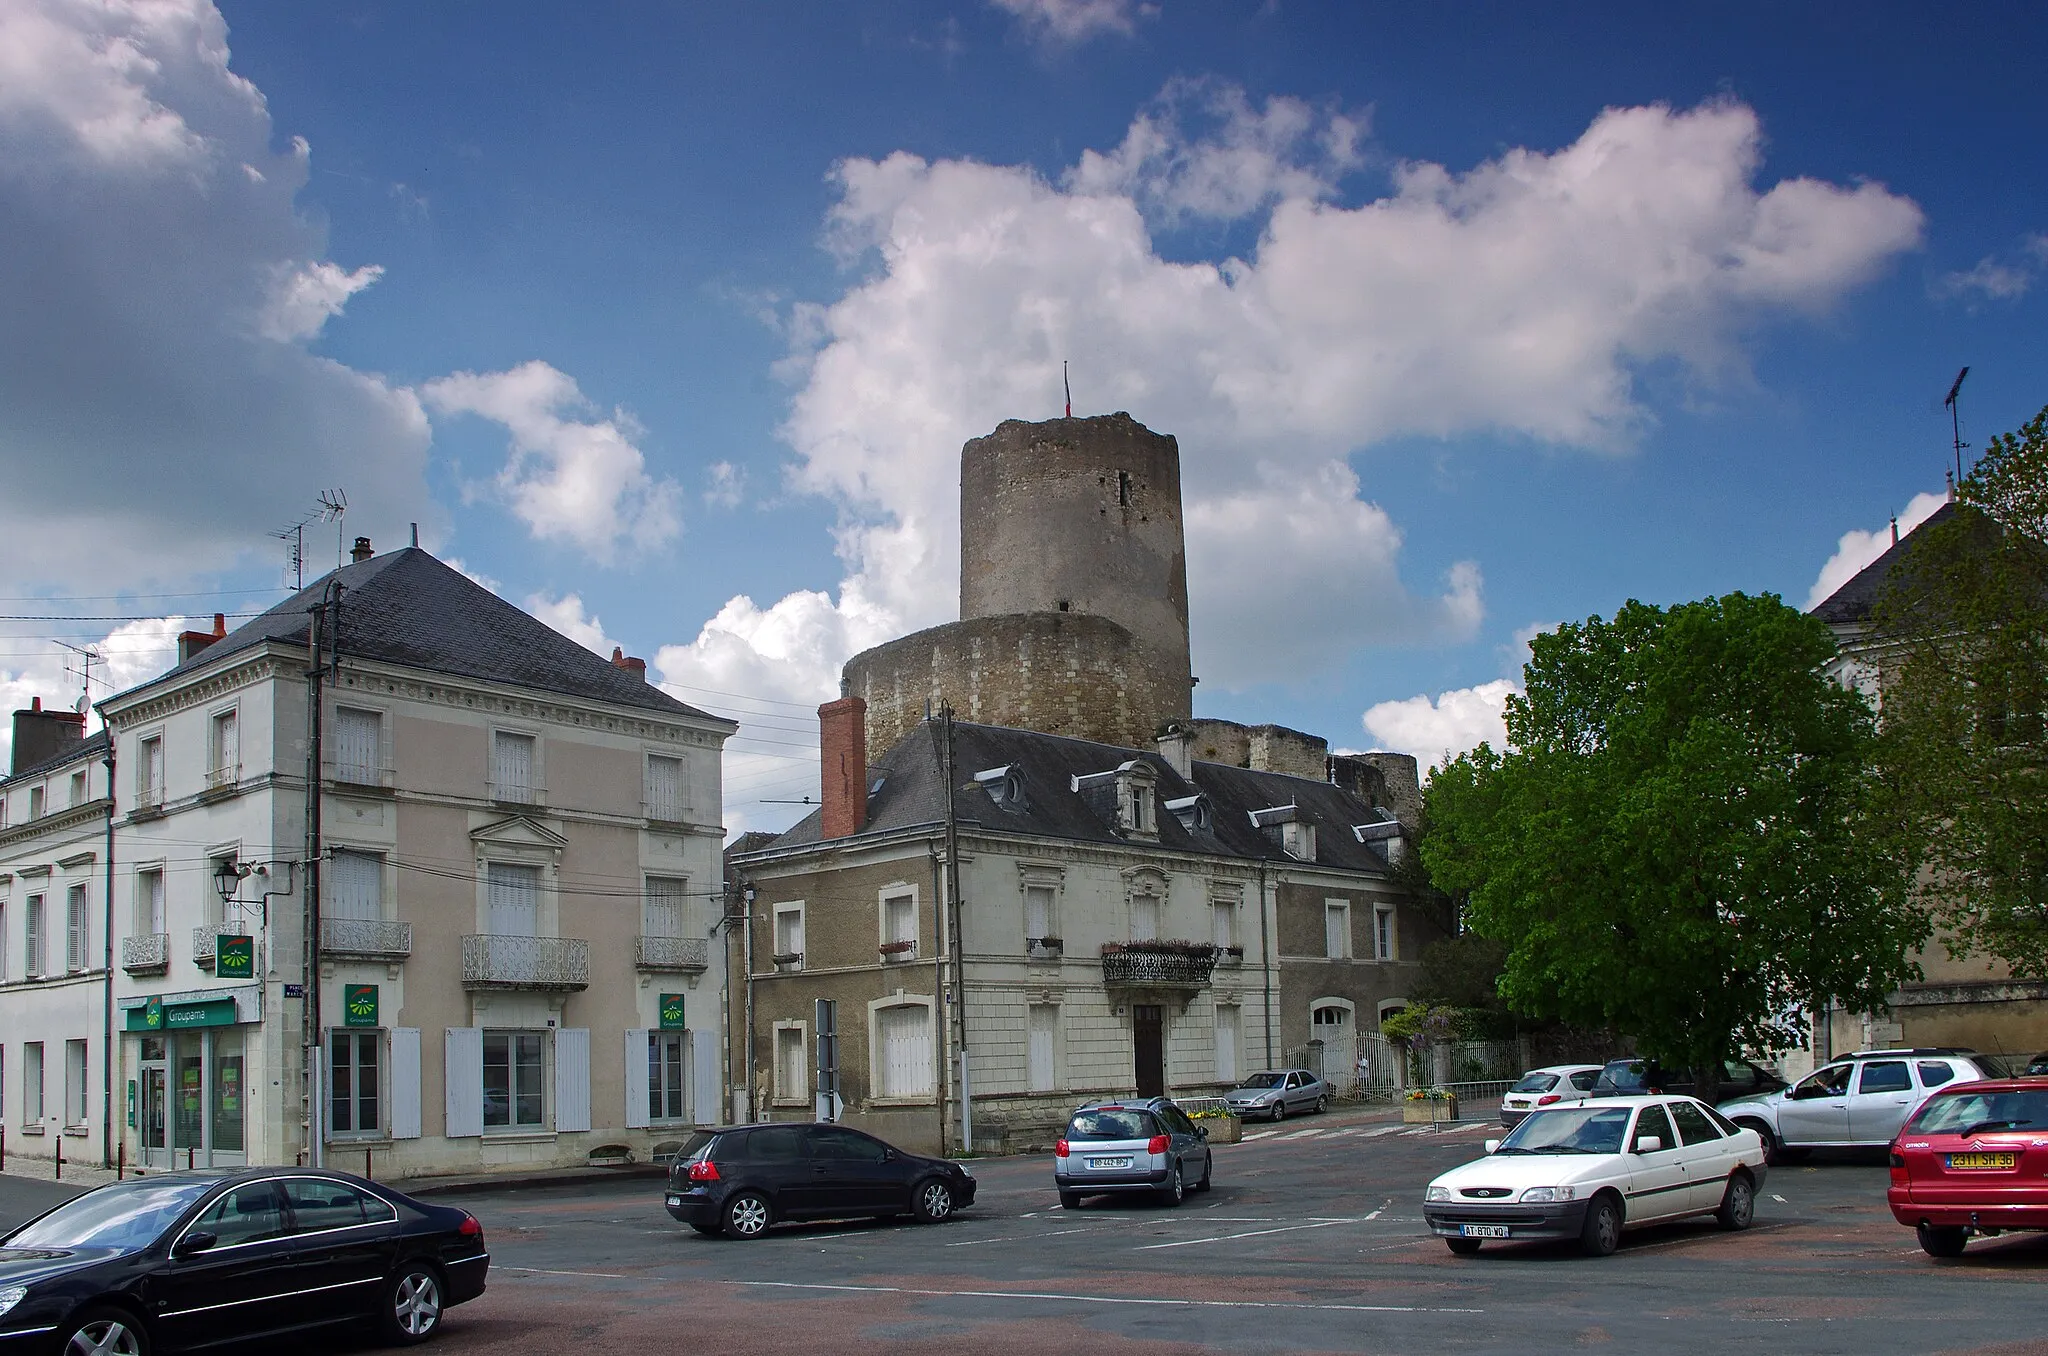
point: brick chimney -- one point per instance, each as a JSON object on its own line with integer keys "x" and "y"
{"x": 192, "y": 642}
{"x": 361, "y": 551}
{"x": 622, "y": 660}
{"x": 40, "y": 735}
{"x": 843, "y": 765}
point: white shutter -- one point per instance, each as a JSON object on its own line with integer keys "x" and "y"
{"x": 661, "y": 908}
{"x": 1144, "y": 918}
{"x": 357, "y": 735}
{"x": 636, "y": 1079}
{"x": 153, "y": 768}
{"x": 1335, "y": 920}
{"x": 463, "y": 1080}
{"x": 1226, "y": 1044}
{"x": 572, "y": 1079}
{"x": 1044, "y": 1026}
{"x": 906, "y": 1051}
{"x": 1037, "y": 912}
{"x": 1222, "y": 924}
{"x": 515, "y": 900}
{"x": 76, "y": 928}
{"x": 153, "y": 889}
{"x": 405, "y": 1082}
{"x": 512, "y": 766}
{"x": 228, "y": 732}
{"x": 664, "y": 788}
{"x": 356, "y": 886}
{"x": 707, "y": 1077}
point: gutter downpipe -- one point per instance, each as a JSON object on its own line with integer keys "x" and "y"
{"x": 1266, "y": 964}
{"x": 107, "y": 1059}
{"x": 939, "y": 977}
{"x": 957, "y": 945}
{"x": 310, "y": 1009}
{"x": 747, "y": 959}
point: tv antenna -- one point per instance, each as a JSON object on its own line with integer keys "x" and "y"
{"x": 87, "y": 657}
{"x": 1955, "y": 420}
{"x": 334, "y": 509}
{"x": 294, "y": 539}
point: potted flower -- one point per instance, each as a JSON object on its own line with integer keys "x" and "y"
{"x": 1223, "y": 1127}
{"x": 1044, "y": 948}
{"x": 1428, "y": 1105}
{"x": 902, "y": 948}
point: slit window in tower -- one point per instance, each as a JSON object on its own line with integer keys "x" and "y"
{"x": 1123, "y": 489}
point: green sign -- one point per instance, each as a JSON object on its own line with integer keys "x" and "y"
{"x": 671, "y": 1012}
{"x": 131, "y": 1104}
{"x": 156, "y": 1016}
{"x": 152, "y": 1015}
{"x": 359, "y": 1005}
{"x": 234, "y": 957}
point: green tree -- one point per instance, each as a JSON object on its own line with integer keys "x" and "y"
{"x": 1682, "y": 840}
{"x": 1960, "y": 639}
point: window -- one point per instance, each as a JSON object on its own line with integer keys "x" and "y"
{"x": 32, "y": 1083}
{"x": 226, "y": 748}
{"x": 845, "y": 1146}
{"x": 1328, "y": 1015}
{"x": 513, "y": 1096}
{"x": 663, "y": 901}
{"x": 789, "y": 936}
{"x": 1933, "y": 1073}
{"x": 5, "y": 973}
{"x": 665, "y": 1069}
{"x": 792, "y": 1077}
{"x": 664, "y": 788}
{"x": 77, "y": 789}
{"x": 512, "y": 767}
{"x": 904, "y": 1069}
{"x": 515, "y": 900}
{"x": 1383, "y": 934}
{"x": 77, "y": 930}
{"x": 899, "y": 926}
{"x": 1229, "y": 1027}
{"x": 784, "y": 1143}
{"x": 1222, "y": 923}
{"x": 1038, "y": 919}
{"x": 318, "y": 1204}
{"x": 149, "y": 902}
{"x": 1584, "y": 1079}
{"x": 1045, "y": 1026}
{"x": 248, "y": 1214}
{"x": 358, "y": 746}
{"x": 1144, "y": 918}
{"x": 1336, "y": 929}
{"x": 1886, "y": 1075}
{"x": 32, "y": 942}
{"x": 1693, "y": 1123}
{"x": 1832, "y": 1081}
{"x": 149, "y": 773}
{"x": 35, "y": 802}
{"x": 353, "y": 1084}
{"x": 77, "y": 1093}
{"x": 355, "y": 886}
{"x": 1652, "y": 1121}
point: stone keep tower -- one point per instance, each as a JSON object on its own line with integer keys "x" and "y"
{"x": 1073, "y": 592}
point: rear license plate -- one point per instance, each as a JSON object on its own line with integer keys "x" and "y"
{"x": 1518, "y": 1101}
{"x": 1980, "y": 1162}
{"x": 1483, "y": 1230}
{"x": 1106, "y": 1163}
{"x": 675, "y": 1200}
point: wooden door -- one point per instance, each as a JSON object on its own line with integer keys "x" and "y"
{"x": 1149, "y": 1041}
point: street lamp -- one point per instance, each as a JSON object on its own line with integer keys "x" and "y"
{"x": 227, "y": 878}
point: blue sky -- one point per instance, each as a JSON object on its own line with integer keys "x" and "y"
{"x": 1469, "y": 318}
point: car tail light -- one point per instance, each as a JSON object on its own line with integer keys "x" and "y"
{"x": 1059, "y": 1149}
{"x": 1900, "y": 1177}
{"x": 704, "y": 1170}
{"x": 1156, "y": 1145}
{"x": 469, "y": 1228}
{"x": 1548, "y": 1098}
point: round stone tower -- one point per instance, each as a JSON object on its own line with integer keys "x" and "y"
{"x": 1073, "y": 592}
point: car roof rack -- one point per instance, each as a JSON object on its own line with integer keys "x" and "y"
{"x": 1917, "y": 1050}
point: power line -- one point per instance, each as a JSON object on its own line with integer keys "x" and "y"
{"x": 109, "y": 616}
{"x": 117, "y": 597}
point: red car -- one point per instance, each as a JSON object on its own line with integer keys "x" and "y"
{"x": 1973, "y": 1160}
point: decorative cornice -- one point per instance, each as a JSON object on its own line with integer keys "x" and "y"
{"x": 252, "y": 667}
{"x": 57, "y": 822}
{"x": 550, "y": 708}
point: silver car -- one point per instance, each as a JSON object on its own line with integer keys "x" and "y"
{"x": 1144, "y": 1145}
{"x": 1277, "y": 1093}
{"x": 1859, "y": 1100}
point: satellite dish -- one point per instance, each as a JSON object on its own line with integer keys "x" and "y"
{"x": 83, "y": 702}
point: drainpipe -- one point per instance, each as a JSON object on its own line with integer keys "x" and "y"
{"x": 107, "y": 1004}
{"x": 747, "y": 959}
{"x": 1266, "y": 966}
{"x": 310, "y": 1008}
{"x": 939, "y": 982}
{"x": 957, "y": 945}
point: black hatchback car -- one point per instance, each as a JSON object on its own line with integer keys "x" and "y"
{"x": 1636, "y": 1077}
{"x": 739, "y": 1180}
{"x": 190, "y": 1259}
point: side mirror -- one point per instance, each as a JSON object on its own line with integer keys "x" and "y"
{"x": 198, "y": 1240}
{"x": 1648, "y": 1144}
{"x": 1491, "y": 1146}
{"x": 1203, "y": 1131}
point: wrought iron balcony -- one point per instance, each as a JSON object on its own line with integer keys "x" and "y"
{"x": 147, "y": 953}
{"x": 202, "y": 943}
{"x": 1044, "y": 948}
{"x": 1158, "y": 965}
{"x": 226, "y": 777}
{"x": 899, "y": 951}
{"x": 502, "y": 962}
{"x": 370, "y": 938}
{"x": 673, "y": 953}
{"x": 352, "y": 772}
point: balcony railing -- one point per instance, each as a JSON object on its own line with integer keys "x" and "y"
{"x": 371, "y": 938}
{"x": 202, "y": 943}
{"x": 147, "y": 953}
{"x": 502, "y": 962}
{"x": 226, "y": 777}
{"x": 674, "y": 953}
{"x": 1158, "y": 965}
{"x": 665, "y": 811}
{"x": 899, "y": 951}
{"x": 518, "y": 793}
{"x": 149, "y": 802}
{"x": 1044, "y": 948}
{"x": 350, "y": 773}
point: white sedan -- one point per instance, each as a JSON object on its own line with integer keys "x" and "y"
{"x": 1547, "y": 1086}
{"x": 1590, "y": 1170}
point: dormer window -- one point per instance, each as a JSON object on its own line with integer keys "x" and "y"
{"x": 1289, "y": 828}
{"x": 1387, "y": 838}
{"x": 1127, "y": 796}
{"x": 1194, "y": 812}
{"x": 1005, "y": 786}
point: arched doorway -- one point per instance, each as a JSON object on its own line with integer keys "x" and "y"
{"x": 1333, "y": 1029}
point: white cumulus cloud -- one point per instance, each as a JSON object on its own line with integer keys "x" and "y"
{"x": 305, "y": 297}
{"x": 1446, "y": 725}
{"x": 566, "y": 614}
{"x": 1076, "y": 21}
{"x": 1858, "y": 548}
{"x": 133, "y": 652}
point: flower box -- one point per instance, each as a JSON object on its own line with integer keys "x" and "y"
{"x": 1423, "y": 1111}
{"x": 1222, "y": 1129}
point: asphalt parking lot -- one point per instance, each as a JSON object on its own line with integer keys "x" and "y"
{"x": 1312, "y": 1240}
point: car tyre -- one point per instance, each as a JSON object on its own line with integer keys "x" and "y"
{"x": 1738, "y": 1202}
{"x": 1943, "y": 1240}
{"x": 747, "y": 1216}
{"x": 1176, "y": 1189}
{"x": 933, "y": 1201}
{"x": 413, "y": 1305}
{"x": 1322, "y": 1105}
{"x": 1602, "y": 1232}
{"x": 1208, "y": 1166}
{"x": 1463, "y": 1247}
{"x": 112, "y": 1331}
{"x": 1070, "y": 1200}
{"x": 1279, "y": 1110}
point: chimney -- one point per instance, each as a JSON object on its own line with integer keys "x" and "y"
{"x": 622, "y": 660}
{"x": 843, "y": 765}
{"x": 361, "y": 551}
{"x": 40, "y": 735}
{"x": 1177, "y": 746}
{"x": 192, "y": 642}
{"x": 1895, "y": 529}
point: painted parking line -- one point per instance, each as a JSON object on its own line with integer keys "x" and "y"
{"x": 1066, "y": 1298}
{"x": 1012, "y": 1238}
{"x": 543, "y": 1271}
{"x": 1249, "y": 1233}
{"x": 1779, "y": 1199}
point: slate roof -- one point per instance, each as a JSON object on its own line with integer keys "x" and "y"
{"x": 1857, "y": 599}
{"x": 91, "y": 747}
{"x": 912, "y": 794}
{"x": 406, "y": 607}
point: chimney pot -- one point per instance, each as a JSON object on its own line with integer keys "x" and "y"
{"x": 361, "y": 551}
{"x": 35, "y": 703}
{"x": 40, "y": 735}
{"x": 220, "y": 625}
{"x": 843, "y": 767}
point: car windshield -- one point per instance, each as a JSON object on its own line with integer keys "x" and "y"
{"x": 127, "y": 1216}
{"x": 1535, "y": 1082}
{"x": 1111, "y": 1123}
{"x": 1264, "y": 1080}
{"x": 1627, "y": 1077}
{"x": 1965, "y": 1113}
{"x": 1570, "y": 1130}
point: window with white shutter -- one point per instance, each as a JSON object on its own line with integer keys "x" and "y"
{"x": 463, "y": 1081}
{"x": 789, "y": 936}
{"x": 1038, "y": 913}
{"x": 572, "y": 1079}
{"x": 405, "y": 1082}
{"x": 77, "y": 929}
{"x": 707, "y": 1077}
{"x": 515, "y": 900}
{"x": 149, "y": 902}
{"x": 792, "y": 1077}
{"x": 1336, "y": 929}
{"x": 1228, "y": 1029}
{"x": 32, "y": 948}
{"x": 1383, "y": 934}
{"x": 1045, "y": 1025}
{"x": 227, "y": 747}
{"x": 639, "y": 1075}
{"x": 904, "y": 1035}
{"x": 358, "y": 746}
{"x": 512, "y": 767}
{"x": 1144, "y": 918}
{"x": 1223, "y": 924}
{"x": 662, "y": 907}
{"x": 665, "y": 788}
{"x": 355, "y": 886}
{"x": 899, "y": 926}
{"x": 149, "y": 789}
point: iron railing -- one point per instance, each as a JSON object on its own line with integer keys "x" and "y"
{"x": 224, "y": 778}
{"x": 146, "y": 953}
{"x": 503, "y": 962}
{"x": 377, "y": 938}
{"x": 202, "y": 943}
{"x": 673, "y": 953}
{"x": 1159, "y": 967}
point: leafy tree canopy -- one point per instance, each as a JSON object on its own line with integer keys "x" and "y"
{"x": 1680, "y": 841}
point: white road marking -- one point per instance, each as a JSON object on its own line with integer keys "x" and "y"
{"x": 1249, "y": 1233}
{"x": 1305, "y": 1134}
{"x": 1383, "y": 1130}
{"x": 1107, "y": 1299}
{"x": 1779, "y": 1199}
{"x": 543, "y": 1271}
{"x": 1255, "y": 1136}
{"x": 1012, "y": 1238}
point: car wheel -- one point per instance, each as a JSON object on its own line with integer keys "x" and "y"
{"x": 1939, "y": 1240}
{"x": 1176, "y": 1189}
{"x": 1464, "y": 1247}
{"x": 1602, "y": 1233}
{"x": 413, "y": 1304}
{"x": 933, "y": 1201}
{"x": 1280, "y": 1110}
{"x": 747, "y": 1216}
{"x": 1738, "y": 1202}
{"x": 1070, "y": 1200}
{"x": 1322, "y": 1105}
{"x": 104, "y": 1330}
{"x": 1208, "y": 1166}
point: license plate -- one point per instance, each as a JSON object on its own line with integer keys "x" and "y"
{"x": 1979, "y": 1162}
{"x": 1483, "y": 1230}
{"x": 1106, "y": 1163}
{"x": 675, "y": 1200}
{"x": 1518, "y": 1101}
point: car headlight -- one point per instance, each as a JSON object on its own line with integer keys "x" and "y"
{"x": 11, "y": 1296}
{"x": 1549, "y": 1193}
{"x": 1437, "y": 1193}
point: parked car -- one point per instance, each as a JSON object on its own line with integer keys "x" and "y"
{"x": 191, "y": 1259}
{"x": 1635, "y": 1077}
{"x": 1276, "y": 1093}
{"x": 741, "y": 1179}
{"x": 1550, "y": 1086}
{"x": 1114, "y": 1148}
{"x": 1591, "y": 1170}
{"x": 2037, "y": 1065}
{"x": 1973, "y": 1160}
{"x": 1859, "y": 1100}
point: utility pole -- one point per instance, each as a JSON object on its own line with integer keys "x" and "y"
{"x": 956, "y": 945}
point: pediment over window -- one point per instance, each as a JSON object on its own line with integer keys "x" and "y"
{"x": 517, "y": 832}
